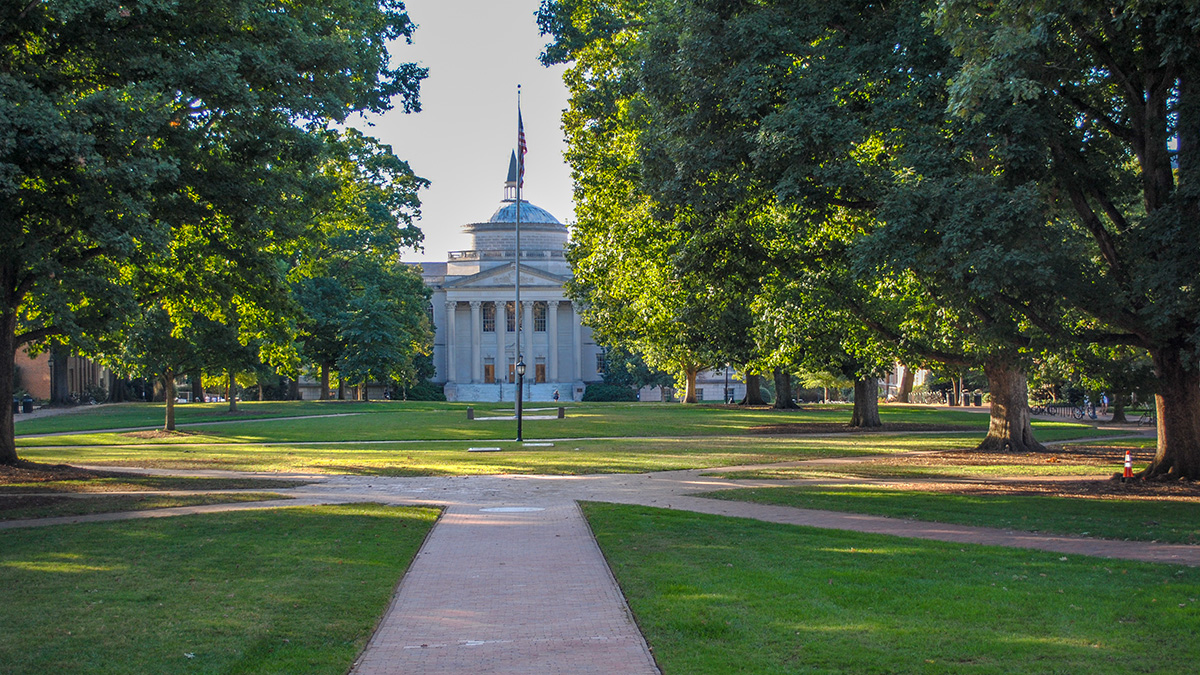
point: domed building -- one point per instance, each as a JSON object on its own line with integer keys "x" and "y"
{"x": 476, "y": 320}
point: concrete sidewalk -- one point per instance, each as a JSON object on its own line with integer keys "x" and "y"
{"x": 508, "y": 590}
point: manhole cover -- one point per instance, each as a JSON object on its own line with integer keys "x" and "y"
{"x": 512, "y": 509}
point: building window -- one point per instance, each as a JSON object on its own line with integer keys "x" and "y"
{"x": 489, "y": 368}
{"x": 489, "y": 318}
{"x": 539, "y": 370}
{"x": 600, "y": 363}
{"x": 699, "y": 393}
{"x": 539, "y": 317}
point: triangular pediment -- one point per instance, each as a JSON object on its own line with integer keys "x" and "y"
{"x": 505, "y": 276}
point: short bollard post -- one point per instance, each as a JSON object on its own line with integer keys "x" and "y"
{"x": 470, "y": 412}
{"x": 562, "y": 412}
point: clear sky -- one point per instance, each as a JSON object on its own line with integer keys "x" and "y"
{"x": 477, "y": 52}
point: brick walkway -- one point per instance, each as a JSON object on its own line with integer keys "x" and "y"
{"x": 508, "y": 590}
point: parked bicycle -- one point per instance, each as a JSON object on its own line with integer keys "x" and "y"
{"x": 1147, "y": 417}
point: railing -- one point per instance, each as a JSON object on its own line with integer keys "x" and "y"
{"x": 506, "y": 255}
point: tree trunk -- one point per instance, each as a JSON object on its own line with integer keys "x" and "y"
{"x": 8, "y": 328}
{"x": 293, "y": 389}
{"x": 1118, "y": 409}
{"x": 60, "y": 385}
{"x": 1009, "y": 428}
{"x": 783, "y": 390}
{"x": 324, "y": 381}
{"x": 866, "y": 403}
{"x": 689, "y": 392}
{"x": 342, "y": 388}
{"x": 906, "y": 385}
{"x": 168, "y": 384}
{"x": 366, "y": 392}
{"x": 1178, "y": 403}
{"x": 753, "y": 390}
{"x": 197, "y": 386}
{"x": 231, "y": 394}
{"x": 260, "y": 391}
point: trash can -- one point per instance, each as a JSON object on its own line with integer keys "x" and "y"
{"x": 978, "y": 400}
{"x": 966, "y": 398}
{"x": 27, "y": 405}
{"x": 16, "y": 406}
{"x": 470, "y": 412}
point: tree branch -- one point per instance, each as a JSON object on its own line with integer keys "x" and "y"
{"x": 1114, "y": 214}
{"x": 924, "y": 350}
{"x": 35, "y": 335}
{"x": 1131, "y": 88}
{"x": 1120, "y": 131}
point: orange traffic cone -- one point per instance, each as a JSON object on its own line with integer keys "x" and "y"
{"x": 1128, "y": 467}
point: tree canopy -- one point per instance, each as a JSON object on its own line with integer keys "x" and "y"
{"x": 123, "y": 125}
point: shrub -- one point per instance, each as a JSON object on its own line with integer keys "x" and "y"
{"x": 424, "y": 391}
{"x": 609, "y": 392}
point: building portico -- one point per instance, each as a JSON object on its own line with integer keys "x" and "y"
{"x": 476, "y": 319}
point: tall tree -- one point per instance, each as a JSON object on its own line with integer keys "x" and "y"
{"x": 1100, "y": 103}
{"x": 118, "y": 121}
{"x": 830, "y": 109}
{"x": 363, "y": 312}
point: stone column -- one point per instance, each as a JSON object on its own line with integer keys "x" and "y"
{"x": 577, "y": 342}
{"x": 501, "y": 329}
{"x": 527, "y": 338}
{"x": 476, "y": 338}
{"x": 552, "y": 335}
{"x": 451, "y": 373}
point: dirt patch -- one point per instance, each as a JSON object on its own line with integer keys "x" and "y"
{"x": 14, "y": 502}
{"x": 32, "y": 472}
{"x": 1182, "y": 490}
{"x": 800, "y": 428}
{"x": 159, "y": 433}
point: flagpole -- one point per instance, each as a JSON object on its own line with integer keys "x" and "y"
{"x": 520, "y": 365}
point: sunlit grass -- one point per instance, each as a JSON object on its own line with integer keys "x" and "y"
{"x": 453, "y": 458}
{"x": 134, "y": 483}
{"x": 1145, "y": 520}
{"x": 450, "y": 457}
{"x": 295, "y": 590}
{"x": 17, "y": 507}
{"x": 723, "y": 595}
{"x": 395, "y": 420}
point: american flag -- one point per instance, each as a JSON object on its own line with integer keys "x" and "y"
{"x": 521, "y": 149}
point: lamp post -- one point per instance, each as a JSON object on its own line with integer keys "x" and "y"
{"x": 520, "y": 391}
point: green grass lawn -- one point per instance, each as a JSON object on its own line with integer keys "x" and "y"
{"x": 133, "y": 482}
{"x": 18, "y": 507}
{"x": 452, "y": 458}
{"x": 387, "y": 420}
{"x": 883, "y": 470}
{"x": 594, "y": 438}
{"x": 1145, "y": 520}
{"x": 295, "y": 590}
{"x": 435, "y": 458}
{"x": 723, "y": 595}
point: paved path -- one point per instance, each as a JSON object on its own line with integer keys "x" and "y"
{"x": 508, "y": 590}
